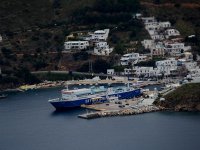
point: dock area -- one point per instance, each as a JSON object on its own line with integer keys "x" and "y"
{"x": 121, "y": 108}
{"x": 93, "y": 82}
{"x": 50, "y": 84}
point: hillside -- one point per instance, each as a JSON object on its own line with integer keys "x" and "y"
{"x": 185, "y": 98}
{"x": 34, "y": 31}
{"x": 183, "y": 14}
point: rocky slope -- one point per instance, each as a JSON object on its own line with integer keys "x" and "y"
{"x": 185, "y": 98}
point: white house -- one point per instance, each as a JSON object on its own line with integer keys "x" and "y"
{"x": 142, "y": 58}
{"x": 174, "y": 48}
{"x": 165, "y": 24}
{"x": 147, "y": 20}
{"x": 172, "y": 62}
{"x": 137, "y": 15}
{"x": 157, "y": 25}
{"x": 79, "y": 45}
{"x": 148, "y": 44}
{"x": 132, "y": 58}
{"x": 190, "y": 65}
{"x": 188, "y": 56}
{"x": 129, "y": 58}
{"x": 166, "y": 66}
{"x": 195, "y": 72}
{"x": 144, "y": 71}
{"x": 171, "y": 32}
{"x": 152, "y": 32}
{"x": 102, "y": 48}
{"x": 100, "y": 35}
{"x": 158, "y": 49}
{"x": 128, "y": 71}
{"x": 187, "y": 48}
{"x": 110, "y": 71}
{"x": 157, "y": 36}
{"x": 152, "y": 26}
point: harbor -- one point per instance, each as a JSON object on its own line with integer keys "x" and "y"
{"x": 99, "y": 101}
{"x": 27, "y": 115}
{"x": 125, "y": 107}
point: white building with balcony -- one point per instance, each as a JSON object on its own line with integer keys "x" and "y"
{"x": 188, "y": 56}
{"x": 100, "y": 35}
{"x": 129, "y": 58}
{"x": 110, "y": 71}
{"x": 128, "y": 71}
{"x": 191, "y": 65}
{"x": 148, "y": 20}
{"x": 77, "y": 45}
{"x": 132, "y": 58}
{"x": 144, "y": 71}
{"x": 157, "y": 36}
{"x": 165, "y": 24}
{"x": 157, "y": 25}
{"x": 166, "y": 66}
{"x": 152, "y": 26}
{"x": 174, "y": 48}
{"x": 158, "y": 49}
{"x": 148, "y": 44}
{"x": 171, "y": 32}
{"x": 102, "y": 48}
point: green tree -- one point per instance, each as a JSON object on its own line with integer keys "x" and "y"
{"x": 101, "y": 66}
{"x": 157, "y": 2}
{"x": 6, "y": 52}
{"x": 118, "y": 68}
{"x": 120, "y": 49}
{"x": 185, "y": 28}
{"x": 24, "y": 74}
{"x": 177, "y": 5}
{"x": 81, "y": 56}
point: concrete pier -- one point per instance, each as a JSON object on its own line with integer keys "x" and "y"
{"x": 121, "y": 108}
{"x": 123, "y": 112}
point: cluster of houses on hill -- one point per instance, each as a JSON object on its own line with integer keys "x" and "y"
{"x": 132, "y": 59}
{"x": 167, "y": 67}
{"x": 165, "y": 39}
{"x": 165, "y": 42}
{"x": 97, "y": 40}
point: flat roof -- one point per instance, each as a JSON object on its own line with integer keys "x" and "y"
{"x": 76, "y": 41}
{"x": 100, "y": 31}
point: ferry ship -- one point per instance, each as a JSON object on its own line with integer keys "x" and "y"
{"x": 87, "y": 96}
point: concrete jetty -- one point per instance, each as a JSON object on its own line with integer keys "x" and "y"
{"x": 123, "y": 112}
{"x": 121, "y": 108}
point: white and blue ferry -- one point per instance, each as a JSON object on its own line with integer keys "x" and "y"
{"x": 87, "y": 96}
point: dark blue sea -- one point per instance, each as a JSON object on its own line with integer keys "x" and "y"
{"x": 29, "y": 122}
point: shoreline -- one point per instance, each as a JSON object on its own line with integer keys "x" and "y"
{"x": 53, "y": 84}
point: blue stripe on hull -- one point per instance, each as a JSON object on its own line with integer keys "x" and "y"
{"x": 78, "y": 103}
{"x": 128, "y": 95}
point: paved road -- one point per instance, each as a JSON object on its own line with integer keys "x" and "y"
{"x": 79, "y": 73}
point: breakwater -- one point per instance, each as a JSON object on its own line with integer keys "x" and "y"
{"x": 123, "y": 112}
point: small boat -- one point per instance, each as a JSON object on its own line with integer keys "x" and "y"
{"x": 3, "y": 96}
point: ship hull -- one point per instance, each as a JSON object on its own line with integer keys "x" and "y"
{"x": 60, "y": 105}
